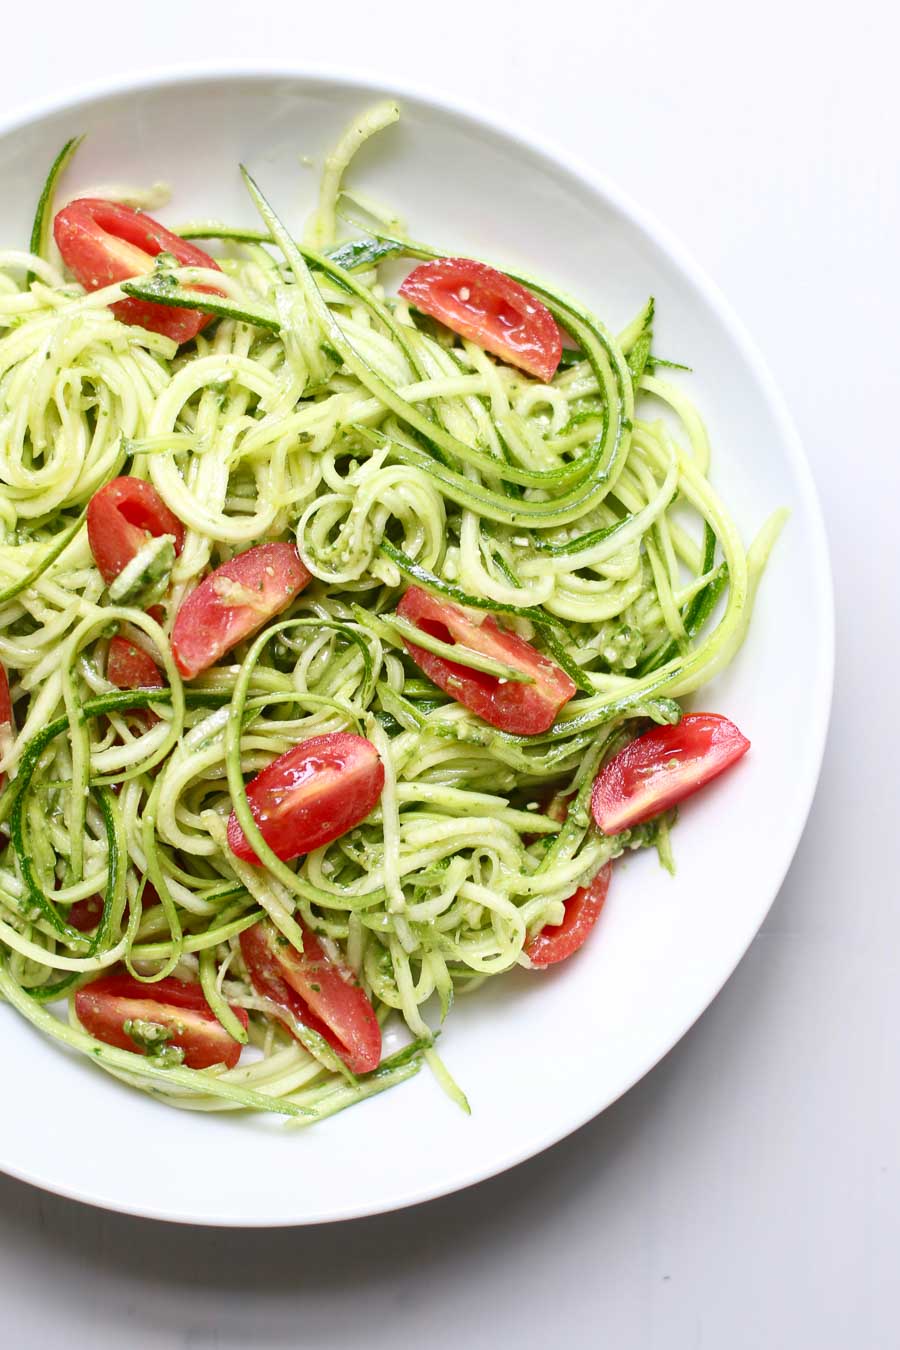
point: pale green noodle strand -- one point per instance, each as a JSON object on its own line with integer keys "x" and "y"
{"x": 318, "y": 408}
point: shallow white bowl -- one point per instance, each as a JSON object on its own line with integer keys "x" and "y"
{"x": 537, "y": 1055}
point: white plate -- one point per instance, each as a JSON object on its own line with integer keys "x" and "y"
{"x": 536, "y": 1055}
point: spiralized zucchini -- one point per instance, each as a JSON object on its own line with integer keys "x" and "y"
{"x": 319, "y": 408}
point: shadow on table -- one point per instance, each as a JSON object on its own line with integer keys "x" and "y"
{"x": 311, "y": 1273}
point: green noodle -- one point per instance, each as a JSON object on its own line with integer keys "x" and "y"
{"x": 318, "y": 408}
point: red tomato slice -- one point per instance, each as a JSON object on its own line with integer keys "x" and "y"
{"x": 662, "y": 767}
{"x": 489, "y": 308}
{"x": 523, "y": 709}
{"x": 104, "y": 1006}
{"x": 6, "y": 713}
{"x": 130, "y": 667}
{"x": 555, "y": 943}
{"x": 311, "y": 794}
{"x": 6, "y": 716}
{"x": 233, "y": 602}
{"x": 318, "y": 992}
{"x": 120, "y": 517}
{"x": 85, "y": 914}
{"x": 105, "y": 242}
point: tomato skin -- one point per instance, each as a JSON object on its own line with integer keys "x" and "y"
{"x": 522, "y": 709}
{"x": 206, "y": 625}
{"x": 6, "y": 713}
{"x": 310, "y": 795}
{"x": 6, "y": 716}
{"x": 321, "y": 994}
{"x": 104, "y": 1005}
{"x": 85, "y": 914}
{"x": 662, "y": 767}
{"x": 104, "y": 242}
{"x": 489, "y": 308}
{"x": 559, "y": 941}
{"x": 130, "y": 667}
{"x": 120, "y": 516}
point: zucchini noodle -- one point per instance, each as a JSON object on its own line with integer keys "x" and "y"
{"x": 318, "y": 408}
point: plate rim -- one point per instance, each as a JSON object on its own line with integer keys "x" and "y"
{"x": 480, "y": 118}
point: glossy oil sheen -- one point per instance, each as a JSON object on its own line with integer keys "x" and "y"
{"x": 310, "y": 795}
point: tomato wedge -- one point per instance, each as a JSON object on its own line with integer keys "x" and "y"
{"x": 130, "y": 667}
{"x": 662, "y": 767}
{"x": 311, "y": 794}
{"x": 105, "y": 242}
{"x": 6, "y": 714}
{"x": 315, "y": 991}
{"x": 121, "y": 517}
{"x": 559, "y": 941}
{"x": 85, "y": 914}
{"x": 522, "y": 709}
{"x": 233, "y": 602}
{"x": 173, "y": 1013}
{"x": 490, "y": 309}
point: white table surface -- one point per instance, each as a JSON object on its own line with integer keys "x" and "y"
{"x": 747, "y": 1193}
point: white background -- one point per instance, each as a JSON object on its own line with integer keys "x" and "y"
{"x": 747, "y": 1194}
